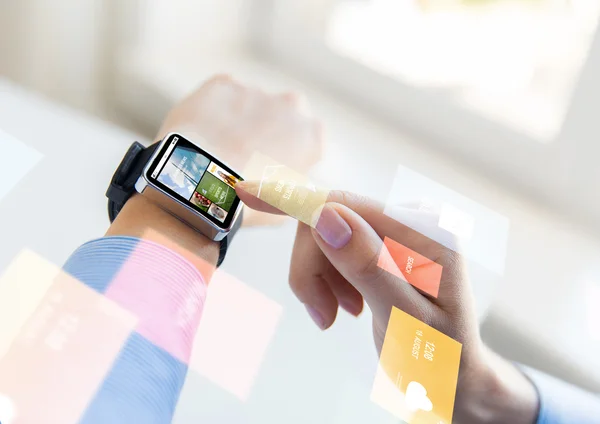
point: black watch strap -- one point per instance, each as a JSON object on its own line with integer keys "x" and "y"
{"x": 122, "y": 187}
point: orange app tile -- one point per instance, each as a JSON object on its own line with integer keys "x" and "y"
{"x": 60, "y": 355}
{"x": 416, "y": 269}
{"x": 418, "y": 371}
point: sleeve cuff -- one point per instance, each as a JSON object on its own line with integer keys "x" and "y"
{"x": 561, "y": 402}
{"x": 97, "y": 262}
{"x": 161, "y": 288}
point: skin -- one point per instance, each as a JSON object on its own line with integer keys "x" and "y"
{"x": 334, "y": 265}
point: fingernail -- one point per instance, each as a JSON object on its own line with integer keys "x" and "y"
{"x": 316, "y": 317}
{"x": 332, "y": 228}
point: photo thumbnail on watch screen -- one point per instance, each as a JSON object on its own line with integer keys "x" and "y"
{"x": 202, "y": 182}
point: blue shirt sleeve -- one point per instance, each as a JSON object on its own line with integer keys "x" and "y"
{"x": 155, "y": 284}
{"x": 563, "y": 403}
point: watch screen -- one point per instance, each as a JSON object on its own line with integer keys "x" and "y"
{"x": 196, "y": 178}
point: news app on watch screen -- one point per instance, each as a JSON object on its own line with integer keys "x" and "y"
{"x": 195, "y": 177}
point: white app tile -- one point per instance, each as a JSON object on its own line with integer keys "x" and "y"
{"x": 459, "y": 223}
{"x": 446, "y": 216}
{"x": 16, "y": 160}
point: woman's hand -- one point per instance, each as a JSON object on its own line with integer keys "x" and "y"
{"x": 237, "y": 121}
{"x": 336, "y": 264}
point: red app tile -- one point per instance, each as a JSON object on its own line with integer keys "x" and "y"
{"x": 416, "y": 269}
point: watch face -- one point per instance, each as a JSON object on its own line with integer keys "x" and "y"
{"x": 197, "y": 179}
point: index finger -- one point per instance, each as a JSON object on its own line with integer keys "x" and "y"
{"x": 372, "y": 211}
{"x": 245, "y": 190}
{"x": 407, "y": 238}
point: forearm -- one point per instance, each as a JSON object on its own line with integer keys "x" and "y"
{"x": 156, "y": 268}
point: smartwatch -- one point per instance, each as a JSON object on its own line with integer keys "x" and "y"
{"x": 184, "y": 180}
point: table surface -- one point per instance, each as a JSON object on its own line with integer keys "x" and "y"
{"x": 539, "y": 305}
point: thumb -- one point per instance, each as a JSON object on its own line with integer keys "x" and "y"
{"x": 353, "y": 247}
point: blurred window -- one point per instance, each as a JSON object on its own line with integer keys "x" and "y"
{"x": 508, "y": 86}
{"x": 514, "y": 61}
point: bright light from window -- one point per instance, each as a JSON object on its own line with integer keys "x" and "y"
{"x": 514, "y": 61}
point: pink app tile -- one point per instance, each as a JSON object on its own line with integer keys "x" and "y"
{"x": 167, "y": 301}
{"x": 237, "y": 326}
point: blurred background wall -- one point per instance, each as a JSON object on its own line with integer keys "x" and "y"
{"x": 69, "y": 50}
{"x": 504, "y": 86}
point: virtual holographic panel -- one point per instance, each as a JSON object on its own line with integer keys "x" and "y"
{"x": 168, "y": 306}
{"x": 237, "y": 326}
{"x": 285, "y": 189}
{"x": 16, "y": 160}
{"x": 22, "y": 288}
{"x": 416, "y": 269}
{"x": 61, "y": 353}
{"x": 418, "y": 371}
{"x": 482, "y": 234}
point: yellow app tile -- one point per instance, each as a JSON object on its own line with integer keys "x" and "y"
{"x": 285, "y": 189}
{"x": 22, "y": 288}
{"x": 418, "y": 371}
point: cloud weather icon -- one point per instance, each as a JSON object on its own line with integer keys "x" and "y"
{"x": 416, "y": 397}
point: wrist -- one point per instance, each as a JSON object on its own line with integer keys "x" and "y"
{"x": 143, "y": 219}
{"x": 498, "y": 392}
